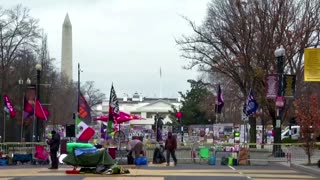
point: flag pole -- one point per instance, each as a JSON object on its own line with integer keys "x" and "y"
{"x": 78, "y": 102}
{"x": 160, "y": 95}
{"x": 34, "y": 121}
{"x": 4, "y": 125}
{"x": 22, "y": 111}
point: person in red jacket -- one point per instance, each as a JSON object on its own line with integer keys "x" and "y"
{"x": 170, "y": 147}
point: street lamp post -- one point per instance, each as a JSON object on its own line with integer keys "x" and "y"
{"x": 38, "y": 125}
{"x": 21, "y": 83}
{"x": 279, "y": 53}
{"x": 179, "y": 116}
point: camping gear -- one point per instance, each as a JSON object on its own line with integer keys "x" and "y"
{"x": 22, "y": 158}
{"x": 3, "y": 161}
{"x": 101, "y": 157}
{"x": 79, "y": 151}
{"x": 158, "y": 156}
{"x": 212, "y": 160}
{"x": 41, "y": 156}
{"x": 243, "y": 156}
{"x": 73, "y": 145}
{"x": 204, "y": 153}
{"x": 230, "y": 161}
{"x": 141, "y": 161}
{"x": 224, "y": 161}
{"x": 235, "y": 162}
{"x": 73, "y": 171}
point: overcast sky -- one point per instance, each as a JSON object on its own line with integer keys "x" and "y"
{"x": 122, "y": 41}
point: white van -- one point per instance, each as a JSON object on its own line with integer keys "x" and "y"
{"x": 295, "y": 132}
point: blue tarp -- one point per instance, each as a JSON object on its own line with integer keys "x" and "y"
{"x": 79, "y": 151}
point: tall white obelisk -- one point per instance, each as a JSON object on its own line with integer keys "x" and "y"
{"x": 66, "y": 52}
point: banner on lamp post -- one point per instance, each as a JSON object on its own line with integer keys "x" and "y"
{"x": 312, "y": 64}
{"x": 289, "y": 85}
{"x": 272, "y": 86}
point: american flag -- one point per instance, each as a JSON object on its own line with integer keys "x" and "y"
{"x": 251, "y": 105}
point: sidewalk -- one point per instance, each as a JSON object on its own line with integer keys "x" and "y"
{"x": 300, "y": 165}
{"x": 143, "y": 172}
{"x": 162, "y": 170}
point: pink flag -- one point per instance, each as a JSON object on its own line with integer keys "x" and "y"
{"x": 9, "y": 106}
{"x": 40, "y": 112}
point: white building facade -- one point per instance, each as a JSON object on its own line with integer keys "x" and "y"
{"x": 146, "y": 108}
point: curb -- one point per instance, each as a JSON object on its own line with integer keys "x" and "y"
{"x": 306, "y": 169}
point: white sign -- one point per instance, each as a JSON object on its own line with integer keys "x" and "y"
{"x": 278, "y": 123}
{"x": 244, "y": 117}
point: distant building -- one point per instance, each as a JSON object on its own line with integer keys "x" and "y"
{"x": 145, "y": 107}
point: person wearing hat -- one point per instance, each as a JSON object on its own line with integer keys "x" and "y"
{"x": 54, "y": 144}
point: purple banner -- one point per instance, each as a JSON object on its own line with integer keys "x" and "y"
{"x": 271, "y": 86}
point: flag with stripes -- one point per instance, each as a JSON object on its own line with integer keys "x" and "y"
{"x": 219, "y": 101}
{"x": 251, "y": 105}
{"x": 113, "y": 109}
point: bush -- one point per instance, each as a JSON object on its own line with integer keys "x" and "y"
{"x": 289, "y": 141}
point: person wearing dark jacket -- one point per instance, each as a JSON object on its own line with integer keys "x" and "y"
{"x": 170, "y": 147}
{"x": 54, "y": 144}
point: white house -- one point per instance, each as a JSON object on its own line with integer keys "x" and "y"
{"x": 146, "y": 108}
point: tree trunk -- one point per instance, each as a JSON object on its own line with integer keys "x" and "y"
{"x": 253, "y": 131}
{"x": 309, "y": 154}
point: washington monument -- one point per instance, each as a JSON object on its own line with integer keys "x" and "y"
{"x": 66, "y": 52}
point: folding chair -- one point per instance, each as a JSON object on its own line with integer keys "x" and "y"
{"x": 204, "y": 154}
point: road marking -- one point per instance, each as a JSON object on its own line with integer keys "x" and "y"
{"x": 232, "y": 168}
{"x": 123, "y": 178}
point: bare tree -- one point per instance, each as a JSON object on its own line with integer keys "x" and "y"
{"x": 19, "y": 35}
{"x": 95, "y": 97}
{"x": 238, "y": 39}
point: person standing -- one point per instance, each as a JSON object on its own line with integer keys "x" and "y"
{"x": 54, "y": 144}
{"x": 170, "y": 147}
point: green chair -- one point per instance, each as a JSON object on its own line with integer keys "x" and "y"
{"x": 204, "y": 154}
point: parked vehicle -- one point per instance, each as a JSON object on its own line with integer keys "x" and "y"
{"x": 295, "y": 132}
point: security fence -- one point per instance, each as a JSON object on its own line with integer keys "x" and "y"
{"x": 19, "y": 148}
{"x": 191, "y": 152}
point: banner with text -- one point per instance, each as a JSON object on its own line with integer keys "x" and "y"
{"x": 271, "y": 86}
{"x": 312, "y": 64}
{"x": 289, "y": 85}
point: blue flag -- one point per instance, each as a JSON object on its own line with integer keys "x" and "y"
{"x": 251, "y": 105}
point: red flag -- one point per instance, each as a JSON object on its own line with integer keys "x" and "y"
{"x": 40, "y": 112}
{"x": 84, "y": 109}
{"x": 27, "y": 109}
{"x": 9, "y": 106}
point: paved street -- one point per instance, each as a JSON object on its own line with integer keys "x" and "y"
{"x": 161, "y": 172}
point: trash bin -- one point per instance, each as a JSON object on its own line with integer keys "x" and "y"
{"x": 63, "y": 146}
{"x": 112, "y": 152}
